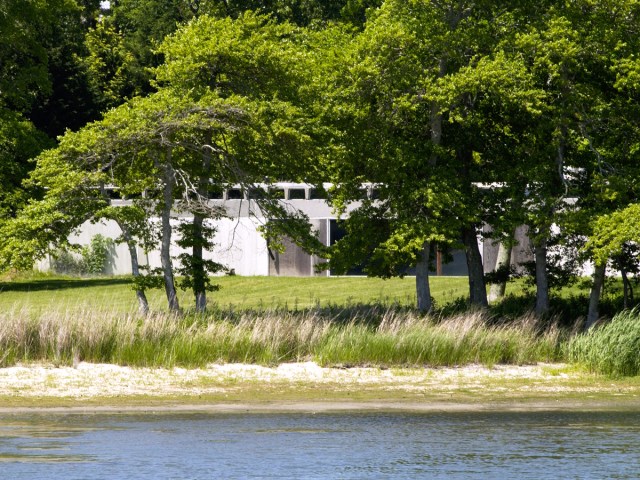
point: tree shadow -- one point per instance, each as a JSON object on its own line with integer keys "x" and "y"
{"x": 60, "y": 284}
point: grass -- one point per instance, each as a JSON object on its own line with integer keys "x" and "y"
{"x": 612, "y": 348}
{"x": 377, "y": 335}
{"x": 266, "y": 320}
{"x": 44, "y": 292}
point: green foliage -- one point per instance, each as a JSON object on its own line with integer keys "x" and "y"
{"x": 19, "y": 142}
{"x": 611, "y": 232}
{"x": 148, "y": 279}
{"x": 611, "y": 348}
{"x": 65, "y": 262}
{"x": 109, "y": 66}
{"x": 96, "y": 254}
{"x": 92, "y": 259}
{"x": 196, "y": 271}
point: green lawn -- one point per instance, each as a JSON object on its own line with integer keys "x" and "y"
{"x": 64, "y": 293}
{"x": 42, "y": 292}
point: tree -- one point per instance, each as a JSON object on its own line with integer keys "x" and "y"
{"x": 612, "y": 234}
{"x": 241, "y": 123}
{"x": 42, "y": 85}
{"x": 429, "y": 85}
{"x": 69, "y": 103}
{"x": 109, "y": 66}
{"x": 19, "y": 142}
{"x": 253, "y": 117}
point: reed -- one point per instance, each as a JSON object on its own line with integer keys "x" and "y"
{"x": 410, "y": 339}
{"x": 358, "y": 335}
{"x": 612, "y": 348}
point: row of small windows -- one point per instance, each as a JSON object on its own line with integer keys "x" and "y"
{"x": 294, "y": 192}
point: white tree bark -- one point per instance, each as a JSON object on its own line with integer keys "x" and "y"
{"x": 497, "y": 290}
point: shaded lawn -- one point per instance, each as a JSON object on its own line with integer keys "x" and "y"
{"x": 66, "y": 293}
{"x": 40, "y": 292}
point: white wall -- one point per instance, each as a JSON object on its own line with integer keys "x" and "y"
{"x": 239, "y": 246}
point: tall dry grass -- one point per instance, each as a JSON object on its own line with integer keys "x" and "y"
{"x": 372, "y": 336}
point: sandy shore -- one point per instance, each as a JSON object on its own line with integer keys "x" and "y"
{"x": 308, "y": 387}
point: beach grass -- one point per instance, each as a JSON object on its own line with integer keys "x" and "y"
{"x": 331, "y": 336}
{"x": 611, "y": 348}
{"x": 336, "y": 321}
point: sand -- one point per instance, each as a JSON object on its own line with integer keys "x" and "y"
{"x": 307, "y": 387}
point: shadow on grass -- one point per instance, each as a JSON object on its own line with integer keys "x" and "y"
{"x": 60, "y": 284}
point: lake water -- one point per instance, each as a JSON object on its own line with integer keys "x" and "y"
{"x": 539, "y": 445}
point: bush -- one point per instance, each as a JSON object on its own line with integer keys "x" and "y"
{"x": 96, "y": 254}
{"x": 613, "y": 348}
{"x": 92, "y": 260}
{"x": 66, "y": 263}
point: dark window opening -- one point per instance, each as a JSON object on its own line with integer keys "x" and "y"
{"x": 336, "y": 232}
{"x": 318, "y": 194}
{"x": 234, "y": 194}
{"x": 256, "y": 194}
{"x": 297, "y": 194}
{"x": 216, "y": 193}
{"x": 113, "y": 194}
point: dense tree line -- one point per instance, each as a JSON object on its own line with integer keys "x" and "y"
{"x": 463, "y": 113}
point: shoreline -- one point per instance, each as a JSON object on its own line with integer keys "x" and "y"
{"x": 308, "y": 388}
{"x": 318, "y": 408}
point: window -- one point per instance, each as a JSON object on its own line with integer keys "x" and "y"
{"x": 234, "y": 194}
{"x": 297, "y": 194}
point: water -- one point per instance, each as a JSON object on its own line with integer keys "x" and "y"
{"x": 540, "y": 445}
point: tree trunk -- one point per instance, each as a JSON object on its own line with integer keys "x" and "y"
{"x": 165, "y": 247}
{"x": 627, "y": 295}
{"x": 542, "y": 278}
{"x": 477, "y": 286}
{"x": 143, "y": 304}
{"x": 199, "y": 273}
{"x": 423, "y": 290}
{"x": 497, "y": 290}
{"x": 594, "y": 297}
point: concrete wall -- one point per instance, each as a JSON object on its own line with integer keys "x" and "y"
{"x": 520, "y": 253}
{"x": 238, "y": 244}
{"x": 294, "y": 261}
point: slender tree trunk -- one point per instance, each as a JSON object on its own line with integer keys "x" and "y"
{"x": 497, "y": 290}
{"x": 143, "y": 304}
{"x": 542, "y": 277}
{"x": 199, "y": 285}
{"x": 165, "y": 247}
{"x": 199, "y": 273}
{"x": 423, "y": 289}
{"x": 594, "y": 297}
{"x": 627, "y": 294}
{"x": 477, "y": 286}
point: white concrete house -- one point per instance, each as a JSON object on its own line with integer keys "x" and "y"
{"x": 241, "y": 248}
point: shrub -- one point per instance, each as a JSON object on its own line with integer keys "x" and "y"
{"x": 92, "y": 260}
{"x": 96, "y": 254}
{"x": 66, "y": 263}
